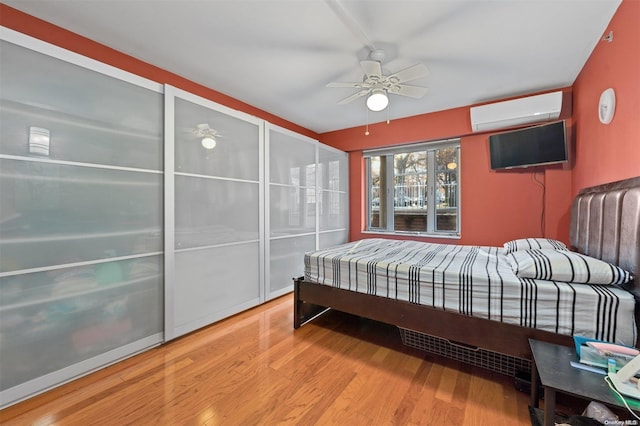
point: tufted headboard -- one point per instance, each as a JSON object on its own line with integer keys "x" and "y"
{"x": 605, "y": 223}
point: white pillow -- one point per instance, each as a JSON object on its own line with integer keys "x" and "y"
{"x": 533, "y": 243}
{"x": 567, "y": 266}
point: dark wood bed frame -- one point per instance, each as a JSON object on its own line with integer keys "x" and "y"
{"x": 605, "y": 223}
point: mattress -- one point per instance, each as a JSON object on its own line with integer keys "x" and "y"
{"x": 476, "y": 281}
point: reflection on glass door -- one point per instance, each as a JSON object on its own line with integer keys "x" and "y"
{"x": 307, "y": 204}
{"x": 213, "y": 201}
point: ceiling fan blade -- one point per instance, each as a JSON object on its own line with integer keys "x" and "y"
{"x": 338, "y": 84}
{"x": 353, "y": 97}
{"x": 411, "y": 73}
{"x": 371, "y": 68}
{"x": 411, "y": 91}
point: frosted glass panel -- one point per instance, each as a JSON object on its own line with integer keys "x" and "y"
{"x": 296, "y": 167}
{"x": 292, "y": 210}
{"x": 333, "y": 238}
{"x": 291, "y": 160}
{"x": 236, "y": 154}
{"x": 81, "y": 183}
{"x": 287, "y": 260}
{"x": 90, "y": 117}
{"x": 56, "y": 214}
{"x": 333, "y": 170}
{"x": 50, "y": 320}
{"x": 214, "y": 211}
{"x": 215, "y": 280}
{"x": 334, "y": 208}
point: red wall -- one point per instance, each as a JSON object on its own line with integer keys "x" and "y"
{"x": 607, "y": 153}
{"x": 29, "y": 25}
{"x": 496, "y": 206}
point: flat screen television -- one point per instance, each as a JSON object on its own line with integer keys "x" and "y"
{"x": 533, "y": 146}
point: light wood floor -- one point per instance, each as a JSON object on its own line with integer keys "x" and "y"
{"x": 255, "y": 369}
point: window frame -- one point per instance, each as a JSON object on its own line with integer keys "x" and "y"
{"x": 388, "y": 154}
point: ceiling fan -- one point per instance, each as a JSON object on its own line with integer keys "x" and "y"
{"x": 377, "y": 86}
{"x": 209, "y": 137}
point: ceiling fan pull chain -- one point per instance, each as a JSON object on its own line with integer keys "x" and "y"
{"x": 366, "y": 131}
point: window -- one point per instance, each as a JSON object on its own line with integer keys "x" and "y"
{"x": 414, "y": 188}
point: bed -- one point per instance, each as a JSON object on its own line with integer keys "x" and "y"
{"x": 474, "y": 298}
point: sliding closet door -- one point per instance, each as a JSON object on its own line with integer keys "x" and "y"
{"x": 213, "y": 201}
{"x": 291, "y": 216}
{"x": 81, "y": 276}
{"x": 333, "y": 198}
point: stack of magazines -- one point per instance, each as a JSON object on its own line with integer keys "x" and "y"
{"x": 608, "y": 356}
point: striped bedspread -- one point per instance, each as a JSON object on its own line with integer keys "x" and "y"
{"x": 476, "y": 281}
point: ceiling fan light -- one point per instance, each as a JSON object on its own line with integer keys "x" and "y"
{"x": 208, "y": 142}
{"x": 377, "y": 100}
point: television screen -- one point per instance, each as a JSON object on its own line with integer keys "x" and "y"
{"x": 532, "y": 146}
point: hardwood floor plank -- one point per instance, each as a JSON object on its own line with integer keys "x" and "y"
{"x": 254, "y": 369}
{"x": 424, "y": 407}
{"x": 459, "y": 396}
{"x": 485, "y": 404}
{"x": 447, "y": 384}
{"x": 410, "y": 399}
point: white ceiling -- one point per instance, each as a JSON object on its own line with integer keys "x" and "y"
{"x": 278, "y": 55}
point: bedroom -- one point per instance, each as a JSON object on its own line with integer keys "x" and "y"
{"x": 597, "y": 161}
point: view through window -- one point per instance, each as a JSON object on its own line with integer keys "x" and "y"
{"x": 414, "y": 188}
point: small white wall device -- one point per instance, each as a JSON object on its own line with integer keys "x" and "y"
{"x": 607, "y": 106}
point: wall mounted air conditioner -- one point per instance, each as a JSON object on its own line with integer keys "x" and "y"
{"x": 532, "y": 109}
